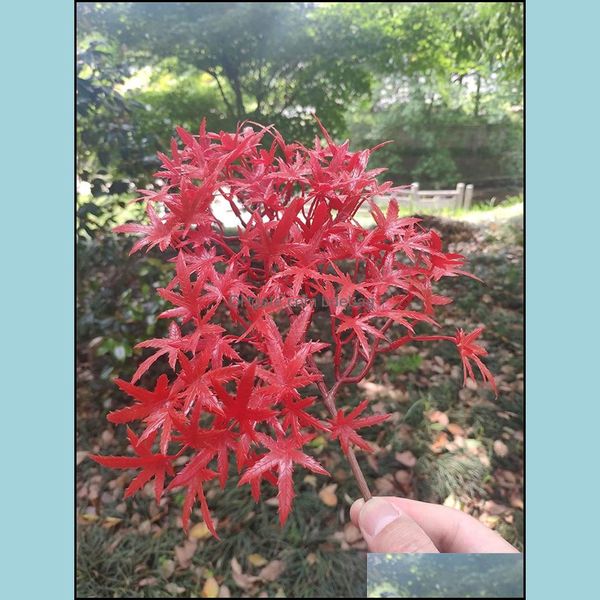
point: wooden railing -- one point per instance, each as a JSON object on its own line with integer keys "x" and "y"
{"x": 416, "y": 199}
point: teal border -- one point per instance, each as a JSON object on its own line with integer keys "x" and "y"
{"x": 562, "y": 359}
{"x": 37, "y": 296}
{"x": 36, "y": 348}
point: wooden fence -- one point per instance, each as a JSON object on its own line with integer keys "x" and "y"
{"x": 417, "y": 199}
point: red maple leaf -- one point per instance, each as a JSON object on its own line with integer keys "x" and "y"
{"x": 193, "y": 476}
{"x": 283, "y": 454}
{"x": 160, "y": 232}
{"x": 288, "y": 359}
{"x": 470, "y": 351}
{"x": 152, "y": 407}
{"x": 344, "y": 427}
{"x": 170, "y": 346}
{"x": 296, "y": 418}
{"x": 193, "y": 384}
{"x": 359, "y": 325}
{"x": 391, "y": 226}
{"x": 155, "y": 466}
{"x": 190, "y": 301}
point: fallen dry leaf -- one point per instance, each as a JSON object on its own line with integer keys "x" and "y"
{"x": 465, "y": 395}
{"x": 471, "y": 384}
{"x": 241, "y": 579}
{"x": 184, "y": 553}
{"x": 352, "y": 533}
{"x": 505, "y": 478}
{"x": 81, "y": 455}
{"x": 257, "y": 560}
{"x": 493, "y": 508}
{"x": 199, "y": 532}
{"x": 210, "y": 589}
{"x": 107, "y": 437}
{"x": 406, "y": 458}
{"x": 147, "y": 581}
{"x": 311, "y": 480}
{"x": 373, "y": 463}
{"x": 455, "y": 429}
{"x": 272, "y": 571}
{"x": 88, "y": 517}
{"x": 148, "y": 490}
{"x": 372, "y": 390}
{"x": 340, "y": 474}
{"x": 500, "y": 448}
{"x": 117, "y": 538}
{"x": 166, "y": 568}
{"x": 490, "y": 520}
{"x": 145, "y": 527}
{"x": 437, "y": 416}
{"x": 385, "y": 485}
{"x": 110, "y": 522}
{"x": 516, "y": 501}
{"x": 404, "y": 433}
{"x": 403, "y": 478}
{"x": 311, "y": 558}
{"x": 328, "y": 496}
{"x": 173, "y": 588}
{"x": 94, "y": 491}
{"x": 440, "y": 442}
{"x": 224, "y": 592}
{"x": 118, "y": 483}
{"x": 453, "y": 502}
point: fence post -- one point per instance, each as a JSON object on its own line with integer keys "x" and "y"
{"x": 460, "y": 196}
{"x": 414, "y": 195}
{"x": 468, "y": 196}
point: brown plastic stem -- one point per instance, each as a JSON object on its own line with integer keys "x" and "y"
{"x": 328, "y": 399}
{"x": 358, "y": 475}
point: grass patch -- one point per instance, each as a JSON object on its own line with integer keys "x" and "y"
{"x": 405, "y": 363}
{"x": 113, "y": 563}
{"x": 511, "y": 208}
{"x": 458, "y": 474}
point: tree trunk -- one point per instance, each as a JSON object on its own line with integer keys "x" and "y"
{"x": 478, "y": 95}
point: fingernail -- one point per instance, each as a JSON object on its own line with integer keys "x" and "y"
{"x": 375, "y": 515}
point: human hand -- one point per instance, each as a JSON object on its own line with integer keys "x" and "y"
{"x": 390, "y": 524}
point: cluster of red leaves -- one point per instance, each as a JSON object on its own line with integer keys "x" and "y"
{"x": 241, "y": 393}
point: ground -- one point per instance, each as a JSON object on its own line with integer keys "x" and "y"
{"x": 444, "y": 443}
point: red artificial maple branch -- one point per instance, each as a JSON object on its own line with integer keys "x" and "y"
{"x": 239, "y": 357}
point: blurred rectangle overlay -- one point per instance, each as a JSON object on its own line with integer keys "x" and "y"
{"x": 445, "y": 576}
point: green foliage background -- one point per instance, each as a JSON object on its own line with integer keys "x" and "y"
{"x": 444, "y": 80}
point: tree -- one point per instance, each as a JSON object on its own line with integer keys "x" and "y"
{"x": 444, "y": 72}
{"x": 430, "y": 66}
{"x": 275, "y": 62}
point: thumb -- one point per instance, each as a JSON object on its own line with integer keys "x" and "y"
{"x": 386, "y": 528}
